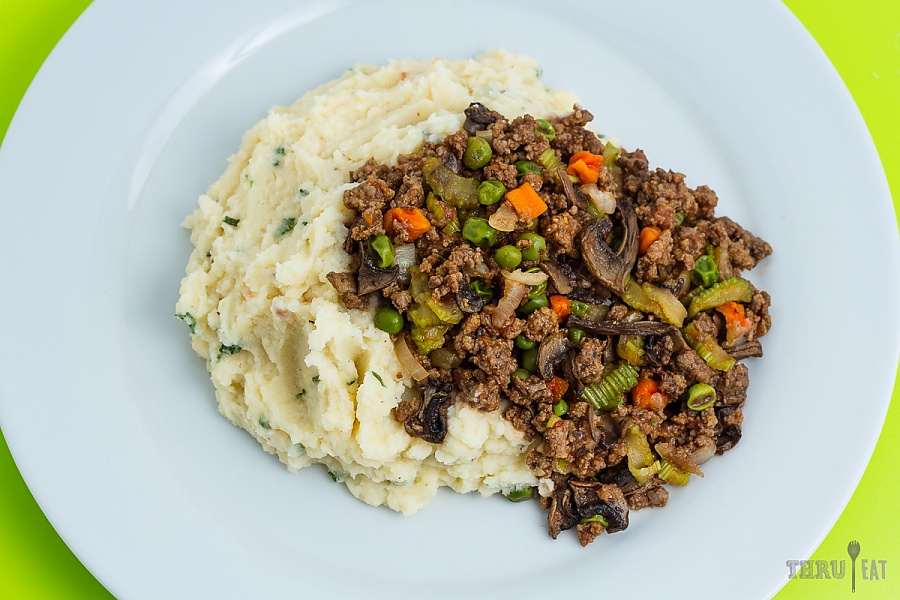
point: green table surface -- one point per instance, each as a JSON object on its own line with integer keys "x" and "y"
{"x": 861, "y": 38}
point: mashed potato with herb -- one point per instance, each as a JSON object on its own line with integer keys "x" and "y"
{"x": 311, "y": 380}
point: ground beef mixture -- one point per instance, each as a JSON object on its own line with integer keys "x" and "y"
{"x": 529, "y": 266}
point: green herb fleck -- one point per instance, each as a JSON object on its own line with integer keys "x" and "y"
{"x": 301, "y": 393}
{"x": 336, "y": 476}
{"x": 305, "y": 223}
{"x": 231, "y": 221}
{"x": 264, "y": 424}
{"x": 352, "y": 381}
{"x": 539, "y": 72}
{"x": 378, "y": 377}
{"x": 280, "y": 150}
{"x": 287, "y": 225}
{"x": 249, "y": 180}
{"x": 301, "y": 193}
{"x": 316, "y": 379}
{"x": 229, "y": 350}
{"x": 189, "y": 320}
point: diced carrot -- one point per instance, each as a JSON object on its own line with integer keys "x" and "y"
{"x": 648, "y": 236}
{"x": 733, "y": 313}
{"x": 411, "y": 220}
{"x": 526, "y": 201}
{"x": 557, "y": 387}
{"x": 646, "y": 395}
{"x": 561, "y": 305}
{"x": 585, "y": 166}
{"x": 737, "y": 325}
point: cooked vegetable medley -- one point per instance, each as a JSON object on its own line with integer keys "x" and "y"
{"x": 530, "y": 267}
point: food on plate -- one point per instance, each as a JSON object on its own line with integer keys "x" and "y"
{"x": 484, "y": 294}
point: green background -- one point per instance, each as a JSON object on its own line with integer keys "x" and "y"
{"x": 861, "y": 38}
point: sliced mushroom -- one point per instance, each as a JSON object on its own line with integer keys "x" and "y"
{"x": 593, "y": 498}
{"x": 468, "y": 300}
{"x": 561, "y": 514}
{"x": 728, "y": 439}
{"x": 373, "y": 278}
{"x": 569, "y": 372}
{"x": 611, "y": 267}
{"x": 746, "y": 350}
{"x": 551, "y": 353}
{"x": 478, "y": 118}
{"x": 560, "y": 276}
{"x": 621, "y": 327}
{"x": 575, "y": 197}
{"x": 431, "y": 422}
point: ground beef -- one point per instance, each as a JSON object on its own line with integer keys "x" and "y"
{"x": 540, "y": 324}
{"x": 588, "y": 363}
{"x": 578, "y": 450}
{"x": 562, "y": 231}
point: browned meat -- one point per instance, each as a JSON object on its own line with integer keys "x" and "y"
{"x": 580, "y": 444}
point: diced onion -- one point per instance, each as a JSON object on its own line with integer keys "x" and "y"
{"x": 520, "y": 276}
{"x": 513, "y": 293}
{"x": 486, "y": 134}
{"x": 603, "y": 201}
{"x": 704, "y": 453}
{"x": 505, "y": 218}
{"x": 405, "y": 256}
{"x": 408, "y": 362}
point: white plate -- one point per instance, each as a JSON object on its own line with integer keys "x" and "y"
{"x": 111, "y": 417}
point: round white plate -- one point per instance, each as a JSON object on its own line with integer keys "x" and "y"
{"x": 111, "y": 417}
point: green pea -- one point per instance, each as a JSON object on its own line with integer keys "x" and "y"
{"x": 701, "y": 396}
{"x": 538, "y": 245}
{"x": 508, "y": 257}
{"x": 524, "y": 167}
{"x": 534, "y": 304}
{"x": 546, "y": 129}
{"x": 576, "y": 335}
{"x": 579, "y": 308}
{"x": 528, "y": 360}
{"x": 381, "y": 249}
{"x": 482, "y": 290}
{"x": 560, "y": 408}
{"x": 388, "y": 319}
{"x": 479, "y": 232}
{"x": 523, "y": 343}
{"x": 491, "y": 191}
{"x": 521, "y": 374}
{"x": 478, "y": 153}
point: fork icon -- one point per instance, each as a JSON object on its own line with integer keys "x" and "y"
{"x": 853, "y": 551}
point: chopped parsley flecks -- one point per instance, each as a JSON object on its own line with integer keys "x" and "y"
{"x": 264, "y": 423}
{"x": 301, "y": 193}
{"x": 280, "y": 150}
{"x": 229, "y": 350}
{"x": 352, "y": 381}
{"x": 316, "y": 379}
{"x": 189, "y": 320}
{"x": 300, "y": 394}
{"x": 249, "y": 180}
{"x": 287, "y": 225}
{"x": 380, "y": 380}
{"x": 231, "y": 221}
{"x": 305, "y": 223}
{"x": 336, "y": 476}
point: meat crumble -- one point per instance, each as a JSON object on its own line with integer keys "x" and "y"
{"x": 531, "y": 267}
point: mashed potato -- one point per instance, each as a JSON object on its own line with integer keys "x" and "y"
{"x": 312, "y": 381}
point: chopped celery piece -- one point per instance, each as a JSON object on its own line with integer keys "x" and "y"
{"x": 672, "y": 474}
{"x": 733, "y": 289}
{"x": 649, "y": 298}
{"x": 640, "y": 458}
{"x": 607, "y": 394}
{"x": 708, "y": 349}
{"x": 461, "y": 192}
